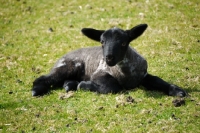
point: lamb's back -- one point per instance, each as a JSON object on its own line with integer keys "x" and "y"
{"x": 89, "y": 57}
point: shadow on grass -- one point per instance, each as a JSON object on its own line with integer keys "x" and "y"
{"x": 154, "y": 94}
{"x": 148, "y": 93}
{"x": 158, "y": 95}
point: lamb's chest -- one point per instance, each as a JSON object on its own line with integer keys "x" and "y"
{"x": 130, "y": 73}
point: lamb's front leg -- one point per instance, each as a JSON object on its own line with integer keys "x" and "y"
{"x": 155, "y": 83}
{"x": 101, "y": 82}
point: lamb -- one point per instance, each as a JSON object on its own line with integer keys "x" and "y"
{"x": 110, "y": 68}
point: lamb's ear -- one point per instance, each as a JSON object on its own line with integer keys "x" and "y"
{"x": 92, "y": 33}
{"x": 136, "y": 31}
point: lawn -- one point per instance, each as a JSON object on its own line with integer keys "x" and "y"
{"x": 34, "y": 34}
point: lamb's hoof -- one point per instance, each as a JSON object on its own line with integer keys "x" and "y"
{"x": 39, "y": 90}
{"x": 84, "y": 85}
{"x": 34, "y": 93}
{"x": 81, "y": 85}
{"x": 177, "y": 91}
{"x": 70, "y": 85}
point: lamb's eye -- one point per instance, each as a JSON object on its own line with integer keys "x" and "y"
{"x": 123, "y": 44}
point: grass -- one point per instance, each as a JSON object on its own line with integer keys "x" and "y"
{"x": 29, "y": 48}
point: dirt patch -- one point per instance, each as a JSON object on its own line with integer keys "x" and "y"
{"x": 178, "y": 102}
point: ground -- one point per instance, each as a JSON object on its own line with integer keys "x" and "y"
{"x": 34, "y": 34}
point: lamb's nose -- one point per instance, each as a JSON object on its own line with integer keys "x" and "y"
{"x": 109, "y": 57}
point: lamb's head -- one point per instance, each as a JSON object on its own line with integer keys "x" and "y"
{"x": 115, "y": 41}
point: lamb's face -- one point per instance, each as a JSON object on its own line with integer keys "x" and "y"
{"x": 114, "y": 41}
{"x": 114, "y": 44}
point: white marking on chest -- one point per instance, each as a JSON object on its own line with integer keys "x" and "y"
{"x": 102, "y": 67}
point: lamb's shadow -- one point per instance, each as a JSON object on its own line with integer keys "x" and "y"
{"x": 154, "y": 94}
{"x": 159, "y": 95}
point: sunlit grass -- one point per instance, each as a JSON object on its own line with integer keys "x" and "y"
{"x": 29, "y": 48}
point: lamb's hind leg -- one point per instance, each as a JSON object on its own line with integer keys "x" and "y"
{"x": 155, "y": 83}
{"x": 101, "y": 82}
{"x": 57, "y": 77}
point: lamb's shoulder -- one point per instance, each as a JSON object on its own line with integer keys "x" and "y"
{"x": 136, "y": 61}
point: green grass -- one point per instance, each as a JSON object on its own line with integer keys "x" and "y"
{"x": 28, "y": 49}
